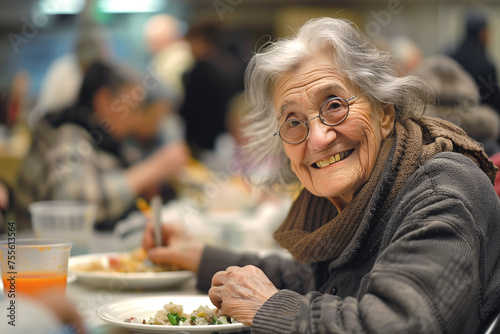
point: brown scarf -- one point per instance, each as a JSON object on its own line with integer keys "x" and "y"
{"x": 313, "y": 231}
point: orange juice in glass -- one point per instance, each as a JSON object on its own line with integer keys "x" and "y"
{"x": 30, "y": 266}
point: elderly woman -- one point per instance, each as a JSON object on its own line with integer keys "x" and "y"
{"x": 396, "y": 227}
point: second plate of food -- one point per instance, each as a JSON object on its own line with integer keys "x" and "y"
{"x": 124, "y": 271}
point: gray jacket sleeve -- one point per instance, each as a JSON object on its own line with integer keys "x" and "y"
{"x": 284, "y": 273}
{"x": 433, "y": 274}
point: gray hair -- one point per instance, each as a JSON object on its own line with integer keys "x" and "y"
{"x": 375, "y": 73}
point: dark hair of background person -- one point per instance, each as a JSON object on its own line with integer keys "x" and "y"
{"x": 216, "y": 76}
{"x": 208, "y": 31}
{"x": 97, "y": 76}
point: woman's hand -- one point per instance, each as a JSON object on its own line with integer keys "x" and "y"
{"x": 240, "y": 292}
{"x": 179, "y": 248}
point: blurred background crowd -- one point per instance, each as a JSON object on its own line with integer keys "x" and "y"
{"x": 108, "y": 101}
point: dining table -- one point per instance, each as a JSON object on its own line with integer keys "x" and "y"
{"x": 87, "y": 298}
{"x": 245, "y": 230}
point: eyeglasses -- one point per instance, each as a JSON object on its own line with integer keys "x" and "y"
{"x": 332, "y": 112}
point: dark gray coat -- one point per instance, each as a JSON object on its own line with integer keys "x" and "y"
{"x": 430, "y": 264}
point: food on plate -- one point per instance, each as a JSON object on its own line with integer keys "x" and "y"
{"x": 132, "y": 262}
{"x": 173, "y": 315}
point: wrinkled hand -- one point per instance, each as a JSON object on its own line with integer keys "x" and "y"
{"x": 179, "y": 248}
{"x": 240, "y": 292}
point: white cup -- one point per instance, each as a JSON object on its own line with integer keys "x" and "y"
{"x": 72, "y": 220}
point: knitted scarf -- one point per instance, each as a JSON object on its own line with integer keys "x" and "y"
{"x": 313, "y": 231}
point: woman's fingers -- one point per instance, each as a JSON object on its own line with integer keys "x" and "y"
{"x": 162, "y": 255}
{"x": 219, "y": 278}
{"x": 215, "y": 296}
{"x": 179, "y": 248}
{"x": 240, "y": 292}
{"x": 169, "y": 231}
{"x": 186, "y": 256}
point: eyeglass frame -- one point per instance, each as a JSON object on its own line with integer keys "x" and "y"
{"x": 306, "y": 123}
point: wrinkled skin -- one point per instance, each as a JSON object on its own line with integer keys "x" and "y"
{"x": 240, "y": 292}
{"x": 299, "y": 94}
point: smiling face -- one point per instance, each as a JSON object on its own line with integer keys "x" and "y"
{"x": 333, "y": 162}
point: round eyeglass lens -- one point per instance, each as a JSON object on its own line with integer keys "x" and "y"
{"x": 293, "y": 131}
{"x": 334, "y": 111}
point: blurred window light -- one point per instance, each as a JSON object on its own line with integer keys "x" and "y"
{"x": 61, "y": 6}
{"x": 131, "y": 6}
{"x": 55, "y": 7}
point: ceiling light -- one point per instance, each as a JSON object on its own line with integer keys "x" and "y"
{"x": 131, "y": 6}
{"x": 55, "y": 7}
{"x": 61, "y": 7}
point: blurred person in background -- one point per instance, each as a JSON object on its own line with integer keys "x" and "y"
{"x": 171, "y": 59}
{"x": 395, "y": 228}
{"x": 6, "y": 200}
{"x": 472, "y": 55}
{"x": 458, "y": 101}
{"x": 406, "y": 52}
{"x": 216, "y": 76}
{"x": 227, "y": 144}
{"x": 60, "y": 86}
{"x": 14, "y": 140}
{"x": 76, "y": 154}
{"x": 18, "y": 100}
{"x": 171, "y": 53}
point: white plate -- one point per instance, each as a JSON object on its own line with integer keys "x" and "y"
{"x": 116, "y": 312}
{"x": 149, "y": 280}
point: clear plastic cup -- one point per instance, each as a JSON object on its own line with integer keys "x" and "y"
{"x": 71, "y": 220}
{"x": 32, "y": 266}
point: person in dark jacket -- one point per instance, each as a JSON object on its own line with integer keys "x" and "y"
{"x": 471, "y": 55}
{"x": 215, "y": 77}
{"x": 395, "y": 229}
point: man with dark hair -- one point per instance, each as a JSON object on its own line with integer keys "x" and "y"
{"x": 77, "y": 153}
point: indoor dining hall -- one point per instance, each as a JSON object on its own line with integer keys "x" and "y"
{"x": 231, "y": 166}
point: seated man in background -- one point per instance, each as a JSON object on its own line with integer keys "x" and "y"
{"x": 77, "y": 153}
